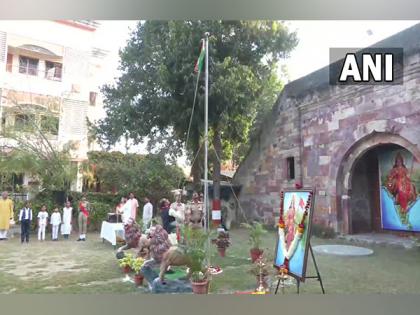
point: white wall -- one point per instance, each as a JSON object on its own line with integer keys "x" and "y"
{"x": 81, "y": 74}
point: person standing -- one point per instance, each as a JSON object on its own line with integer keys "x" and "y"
{"x": 134, "y": 206}
{"x": 55, "y": 222}
{"x": 194, "y": 212}
{"x": 6, "y": 214}
{"x": 119, "y": 209}
{"x": 67, "y": 217}
{"x": 42, "y": 222}
{"x": 83, "y": 219}
{"x": 177, "y": 211}
{"x": 164, "y": 214}
{"x": 147, "y": 213}
{"x": 124, "y": 208}
{"x": 25, "y": 219}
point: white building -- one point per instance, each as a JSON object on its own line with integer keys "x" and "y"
{"x": 54, "y": 65}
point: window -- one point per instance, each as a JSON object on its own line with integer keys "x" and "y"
{"x": 17, "y": 179}
{"x": 49, "y": 125}
{"x": 28, "y": 65}
{"x": 92, "y": 98}
{"x": 22, "y": 122}
{"x": 9, "y": 63}
{"x": 290, "y": 168}
{"x": 53, "y": 70}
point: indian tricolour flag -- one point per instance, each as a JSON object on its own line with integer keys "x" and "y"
{"x": 200, "y": 61}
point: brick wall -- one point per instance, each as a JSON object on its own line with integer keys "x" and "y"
{"x": 323, "y": 129}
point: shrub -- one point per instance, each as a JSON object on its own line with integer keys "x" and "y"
{"x": 98, "y": 213}
{"x": 100, "y": 205}
{"x": 144, "y": 175}
{"x": 256, "y": 231}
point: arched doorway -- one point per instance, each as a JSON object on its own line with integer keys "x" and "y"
{"x": 365, "y": 212}
{"x": 358, "y": 182}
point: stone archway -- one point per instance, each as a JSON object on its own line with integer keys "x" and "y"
{"x": 350, "y": 162}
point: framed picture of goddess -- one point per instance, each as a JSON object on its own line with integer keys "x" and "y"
{"x": 294, "y": 231}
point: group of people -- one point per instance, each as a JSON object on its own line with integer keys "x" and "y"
{"x": 128, "y": 208}
{"x": 173, "y": 215}
{"x": 26, "y": 216}
{"x": 58, "y": 220}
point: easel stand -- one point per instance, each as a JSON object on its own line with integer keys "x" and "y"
{"x": 318, "y": 276}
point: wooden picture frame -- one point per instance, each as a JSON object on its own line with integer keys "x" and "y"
{"x": 300, "y": 261}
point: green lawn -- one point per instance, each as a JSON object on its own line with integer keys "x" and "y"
{"x": 91, "y": 267}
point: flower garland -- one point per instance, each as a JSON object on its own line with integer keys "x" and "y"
{"x": 284, "y": 268}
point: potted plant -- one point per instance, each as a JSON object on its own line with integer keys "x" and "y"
{"x": 125, "y": 263}
{"x": 195, "y": 243}
{"x": 222, "y": 242}
{"x": 136, "y": 265}
{"x": 256, "y": 231}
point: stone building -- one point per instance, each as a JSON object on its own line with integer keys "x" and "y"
{"x": 329, "y": 138}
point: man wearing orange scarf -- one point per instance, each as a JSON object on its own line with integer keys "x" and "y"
{"x": 83, "y": 219}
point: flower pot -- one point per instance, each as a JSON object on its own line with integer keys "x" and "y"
{"x": 126, "y": 269}
{"x": 222, "y": 251}
{"x": 200, "y": 287}
{"x": 138, "y": 279}
{"x": 255, "y": 254}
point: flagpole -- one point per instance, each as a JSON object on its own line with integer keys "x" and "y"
{"x": 206, "y": 143}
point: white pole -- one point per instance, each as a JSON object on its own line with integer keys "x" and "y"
{"x": 206, "y": 127}
{"x": 206, "y": 144}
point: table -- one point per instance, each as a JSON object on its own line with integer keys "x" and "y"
{"x": 109, "y": 232}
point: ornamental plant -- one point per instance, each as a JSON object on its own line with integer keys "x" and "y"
{"x": 137, "y": 264}
{"x": 198, "y": 276}
{"x": 256, "y": 231}
{"x": 222, "y": 240}
{"x": 126, "y": 261}
{"x": 195, "y": 249}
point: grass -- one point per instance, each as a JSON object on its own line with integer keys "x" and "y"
{"x": 91, "y": 267}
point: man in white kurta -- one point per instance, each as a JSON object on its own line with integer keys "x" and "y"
{"x": 125, "y": 211}
{"x": 147, "y": 214}
{"x": 177, "y": 211}
{"x": 67, "y": 218}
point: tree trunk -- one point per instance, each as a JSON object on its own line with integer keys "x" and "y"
{"x": 217, "y": 143}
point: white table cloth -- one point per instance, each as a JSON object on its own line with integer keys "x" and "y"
{"x": 110, "y": 231}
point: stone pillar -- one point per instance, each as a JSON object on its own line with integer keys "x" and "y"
{"x": 345, "y": 210}
{"x": 77, "y": 184}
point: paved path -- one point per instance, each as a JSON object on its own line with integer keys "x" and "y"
{"x": 342, "y": 250}
{"x": 382, "y": 239}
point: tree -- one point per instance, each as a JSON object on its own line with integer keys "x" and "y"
{"x": 145, "y": 175}
{"x": 154, "y": 95}
{"x": 27, "y": 147}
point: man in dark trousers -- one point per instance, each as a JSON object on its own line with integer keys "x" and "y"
{"x": 25, "y": 218}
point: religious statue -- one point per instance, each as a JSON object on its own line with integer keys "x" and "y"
{"x": 132, "y": 232}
